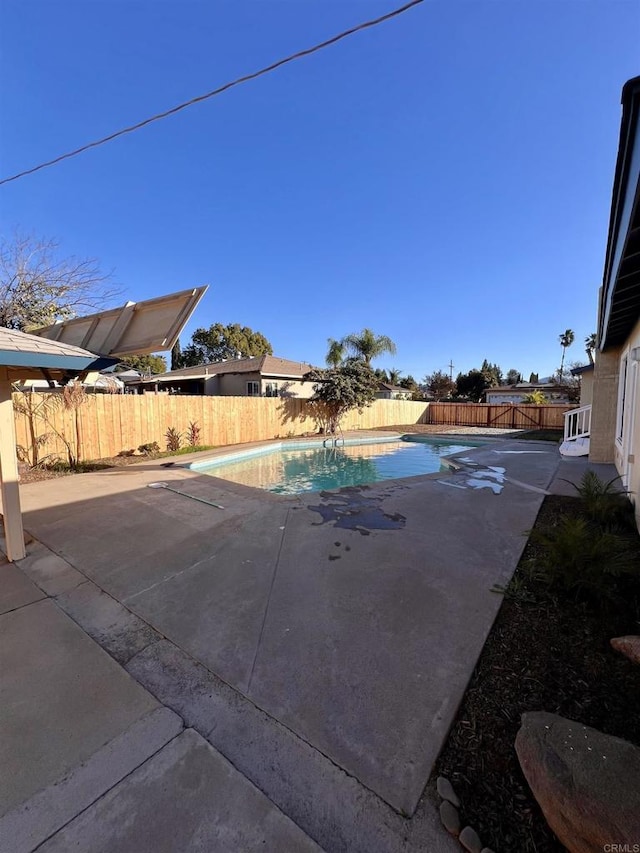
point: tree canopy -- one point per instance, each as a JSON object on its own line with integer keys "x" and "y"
{"x": 472, "y": 385}
{"x": 339, "y": 390}
{"x": 590, "y": 345}
{"x": 38, "y": 287}
{"x": 491, "y": 373}
{"x": 513, "y": 377}
{"x": 566, "y": 339}
{"x": 335, "y": 353}
{"x": 439, "y": 385}
{"x": 144, "y": 364}
{"x": 219, "y": 342}
{"x": 366, "y": 345}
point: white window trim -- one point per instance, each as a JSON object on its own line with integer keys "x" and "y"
{"x": 622, "y": 394}
{"x": 256, "y": 385}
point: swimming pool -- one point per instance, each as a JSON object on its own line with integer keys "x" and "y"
{"x": 314, "y": 468}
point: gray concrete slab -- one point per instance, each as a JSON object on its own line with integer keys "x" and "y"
{"x": 327, "y": 803}
{"x": 215, "y": 609}
{"x": 49, "y": 571}
{"x": 362, "y": 649}
{"x": 26, "y": 826}
{"x": 62, "y": 698}
{"x": 186, "y": 798}
{"x": 370, "y": 640}
{"x": 16, "y": 589}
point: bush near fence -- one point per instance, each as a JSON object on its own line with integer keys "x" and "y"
{"x": 110, "y": 423}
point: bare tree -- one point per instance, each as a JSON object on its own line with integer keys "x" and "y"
{"x": 38, "y": 287}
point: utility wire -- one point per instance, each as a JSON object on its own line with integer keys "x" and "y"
{"x": 372, "y": 23}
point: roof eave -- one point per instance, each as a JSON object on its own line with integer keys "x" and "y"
{"x": 615, "y": 320}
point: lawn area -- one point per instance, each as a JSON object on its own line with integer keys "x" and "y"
{"x": 547, "y": 651}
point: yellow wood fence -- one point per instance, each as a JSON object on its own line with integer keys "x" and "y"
{"x": 106, "y": 424}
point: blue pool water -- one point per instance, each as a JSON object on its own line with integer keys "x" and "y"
{"x": 313, "y": 469}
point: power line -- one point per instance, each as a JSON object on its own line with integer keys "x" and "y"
{"x": 366, "y": 25}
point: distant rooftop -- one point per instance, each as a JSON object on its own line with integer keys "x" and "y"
{"x": 267, "y": 365}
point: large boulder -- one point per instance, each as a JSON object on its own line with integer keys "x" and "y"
{"x": 587, "y": 783}
{"x": 629, "y": 646}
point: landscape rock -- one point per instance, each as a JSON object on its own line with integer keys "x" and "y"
{"x": 450, "y": 818}
{"x": 587, "y": 783}
{"x": 628, "y": 646}
{"x": 470, "y": 840}
{"x": 445, "y": 789}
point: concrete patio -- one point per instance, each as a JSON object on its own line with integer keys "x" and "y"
{"x": 320, "y": 643}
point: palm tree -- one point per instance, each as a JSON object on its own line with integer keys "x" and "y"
{"x": 335, "y": 353}
{"x": 394, "y": 376}
{"x": 566, "y": 339}
{"x": 367, "y": 346}
{"x": 590, "y": 344}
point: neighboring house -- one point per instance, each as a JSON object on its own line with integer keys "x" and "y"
{"x": 586, "y": 383}
{"x": 516, "y": 393}
{"x": 93, "y": 382}
{"x": 256, "y": 376}
{"x": 386, "y": 391}
{"x": 615, "y": 419}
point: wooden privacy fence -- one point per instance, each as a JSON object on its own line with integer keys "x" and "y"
{"x": 505, "y": 415}
{"x": 106, "y": 424}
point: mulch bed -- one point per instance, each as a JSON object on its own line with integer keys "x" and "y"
{"x": 35, "y": 475}
{"x": 544, "y": 653}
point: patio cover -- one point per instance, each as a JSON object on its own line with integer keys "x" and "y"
{"x": 25, "y": 356}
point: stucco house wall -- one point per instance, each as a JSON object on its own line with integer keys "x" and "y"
{"x": 586, "y": 388}
{"x": 236, "y": 385}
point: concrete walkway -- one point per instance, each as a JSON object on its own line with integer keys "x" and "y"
{"x": 320, "y": 643}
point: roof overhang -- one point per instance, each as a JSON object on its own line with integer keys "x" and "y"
{"x": 620, "y": 298}
{"x": 584, "y": 368}
{"x": 36, "y": 362}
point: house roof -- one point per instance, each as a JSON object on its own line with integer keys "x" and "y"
{"x": 585, "y": 368}
{"x": 525, "y": 388}
{"x": 620, "y": 298}
{"x": 386, "y": 386}
{"x": 21, "y": 350}
{"x": 267, "y": 365}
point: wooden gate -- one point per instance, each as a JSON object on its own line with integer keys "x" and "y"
{"x": 510, "y": 416}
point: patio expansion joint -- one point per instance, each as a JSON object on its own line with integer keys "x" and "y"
{"x": 133, "y": 595}
{"x": 266, "y": 608}
{"x": 105, "y": 792}
{"x": 273, "y": 721}
{"x": 88, "y": 582}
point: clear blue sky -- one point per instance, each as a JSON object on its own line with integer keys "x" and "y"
{"x": 444, "y": 178}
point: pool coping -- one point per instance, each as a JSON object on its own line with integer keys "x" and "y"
{"x": 222, "y": 456}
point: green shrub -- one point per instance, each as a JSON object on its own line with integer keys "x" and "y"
{"x": 193, "y": 434}
{"x": 149, "y": 448}
{"x": 604, "y": 502}
{"x": 173, "y": 439}
{"x": 577, "y": 556}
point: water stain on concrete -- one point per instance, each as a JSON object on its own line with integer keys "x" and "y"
{"x": 350, "y": 509}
